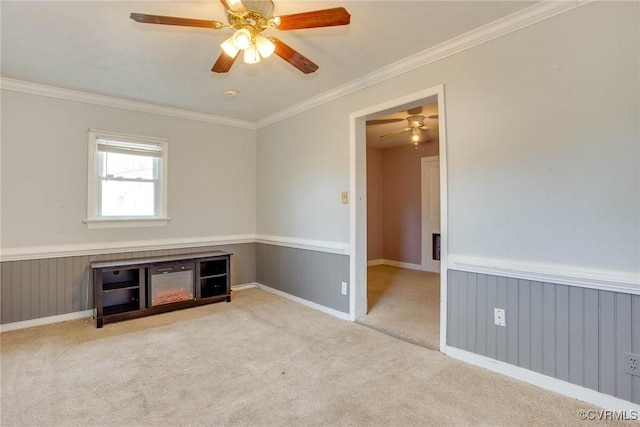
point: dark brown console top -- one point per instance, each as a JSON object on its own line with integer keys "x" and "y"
{"x": 153, "y": 260}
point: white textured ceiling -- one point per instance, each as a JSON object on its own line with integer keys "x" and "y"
{"x": 93, "y": 46}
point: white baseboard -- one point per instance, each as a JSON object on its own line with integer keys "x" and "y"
{"x": 543, "y": 381}
{"x": 244, "y": 286}
{"x": 88, "y": 313}
{"x": 406, "y": 265}
{"x": 82, "y": 314}
{"x": 322, "y": 308}
{"x": 45, "y": 320}
{"x": 393, "y": 263}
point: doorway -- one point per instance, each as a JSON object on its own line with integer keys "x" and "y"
{"x": 359, "y": 297}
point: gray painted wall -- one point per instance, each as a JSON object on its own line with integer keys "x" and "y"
{"x": 211, "y": 180}
{"x": 313, "y": 276}
{"x": 574, "y": 334}
{"x": 513, "y": 194}
{"x": 32, "y": 289}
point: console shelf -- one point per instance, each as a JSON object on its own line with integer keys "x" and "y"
{"x": 114, "y": 287}
{"x": 127, "y": 289}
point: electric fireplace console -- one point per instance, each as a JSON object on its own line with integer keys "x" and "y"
{"x": 138, "y": 287}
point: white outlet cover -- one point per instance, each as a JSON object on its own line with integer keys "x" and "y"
{"x": 498, "y": 317}
{"x": 344, "y": 288}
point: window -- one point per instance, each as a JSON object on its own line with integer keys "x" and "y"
{"x": 127, "y": 180}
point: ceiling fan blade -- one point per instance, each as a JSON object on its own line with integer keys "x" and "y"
{"x": 383, "y": 121}
{"x": 224, "y": 63}
{"x": 172, "y": 20}
{"x": 414, "y": 111}
{"x": 429, "y": 127}
{"x": 395, "y": 132}
{"x": 314, "y": 19}
{"x": 293, "y": 57}
{"x": 234, "y": 5}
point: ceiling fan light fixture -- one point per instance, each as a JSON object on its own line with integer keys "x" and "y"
{"x": 251, "y": 55}
{"x": 265, "y": 46}
{"x": 242, "y": 39}
{"x": 415, "y": 134}
{"x": 230, "y": 47}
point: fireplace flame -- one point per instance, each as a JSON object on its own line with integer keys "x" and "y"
{"x": 171, "y": 295}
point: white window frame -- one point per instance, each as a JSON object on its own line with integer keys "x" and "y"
{"x": 94, "y": 219}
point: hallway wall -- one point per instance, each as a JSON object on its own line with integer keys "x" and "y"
{"x": 394, "y": 226}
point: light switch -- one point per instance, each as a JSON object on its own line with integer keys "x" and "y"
{"x": 345, "y": 197}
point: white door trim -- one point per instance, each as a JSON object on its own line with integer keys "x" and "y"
{"x": 425, "y": 197}
{"x": 358, "y": 207}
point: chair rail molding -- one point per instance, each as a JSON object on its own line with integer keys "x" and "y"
{"x": 58, "y": 251}
{"x": 339, "y": 248}
{"x": 606, "y": 280}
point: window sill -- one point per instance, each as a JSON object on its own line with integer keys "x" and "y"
{"x": 126, "y": 222}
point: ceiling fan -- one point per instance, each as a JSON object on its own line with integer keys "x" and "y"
{"x": 250, "y": 18}
{"x": 415, "y": 125}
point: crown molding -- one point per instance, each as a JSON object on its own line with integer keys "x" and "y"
{"x": 524, "y": 18}
{"x": 529, "y": 16}
{"x": 125, "y": 104}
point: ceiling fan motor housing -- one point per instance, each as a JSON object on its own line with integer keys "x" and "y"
{"x": 416, "y": 121}
{"x": 253, "y": 21}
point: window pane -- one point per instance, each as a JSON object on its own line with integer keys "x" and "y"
{"x": 123, "y": 198}
{"x": 128, "y": 165}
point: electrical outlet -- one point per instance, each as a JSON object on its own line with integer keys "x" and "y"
{"x": 632, "y": 365}
{"x": 344, "y": 288}
{"x": 498, "y": 317}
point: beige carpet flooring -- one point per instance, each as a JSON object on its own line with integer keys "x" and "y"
{"x": 260, "y": 360}
{"x": 404, "y": 303}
